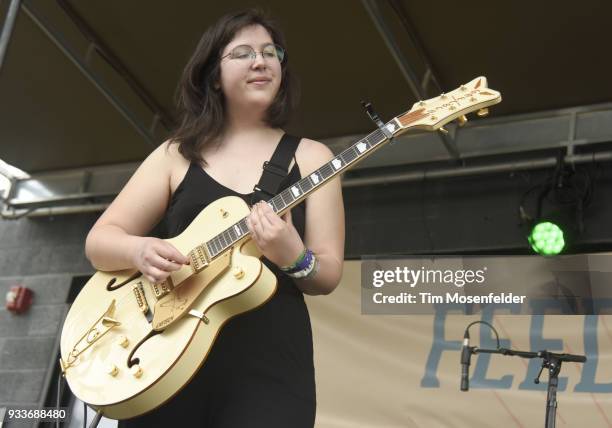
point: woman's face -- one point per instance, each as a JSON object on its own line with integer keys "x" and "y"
{"x": 248, "y": 82}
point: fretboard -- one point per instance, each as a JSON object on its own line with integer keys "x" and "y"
{"x": 298, "y": 191}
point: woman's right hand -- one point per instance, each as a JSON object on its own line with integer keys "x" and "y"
{"x": 156, "y": 259}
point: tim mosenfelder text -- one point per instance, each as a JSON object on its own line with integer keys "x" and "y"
{"x": 457, "y": 277}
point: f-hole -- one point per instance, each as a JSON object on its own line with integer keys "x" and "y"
{"x": 111, "y": 284}
{"x": 131, "y": 361}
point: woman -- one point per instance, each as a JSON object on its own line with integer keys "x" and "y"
{"x": 235, "y": 94}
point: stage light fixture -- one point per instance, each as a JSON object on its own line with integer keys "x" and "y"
{"x": 547, "y": 238}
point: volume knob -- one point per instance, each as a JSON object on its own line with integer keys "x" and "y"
{"x": 123, "y": 341}
{"x": 136, "y": 371}
{"x": 112, "y": 370}
{"x": 238, "y": 272}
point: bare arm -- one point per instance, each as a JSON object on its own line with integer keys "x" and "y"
{"x": 324, "y": 222}
{"x": 116, "y": 240}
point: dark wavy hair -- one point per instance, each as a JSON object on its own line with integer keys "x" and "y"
{"x": 201, "y": 106}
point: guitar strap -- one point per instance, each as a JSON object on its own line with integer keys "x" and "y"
{"x": 276, "y": 169}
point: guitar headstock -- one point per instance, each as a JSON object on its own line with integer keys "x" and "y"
{"x": 434, "y": 113}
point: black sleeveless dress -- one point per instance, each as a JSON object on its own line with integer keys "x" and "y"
{"x": 260, "y": 371}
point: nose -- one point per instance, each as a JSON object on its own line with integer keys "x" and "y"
{"x": 258, "y": 61}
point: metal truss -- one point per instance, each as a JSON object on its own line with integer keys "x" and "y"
{"x": 81, "y": 62}
{"x": 533, "y": 139}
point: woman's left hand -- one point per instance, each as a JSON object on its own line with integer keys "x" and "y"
{"x": 275, "y": 237}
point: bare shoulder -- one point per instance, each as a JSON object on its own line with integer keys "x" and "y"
{"x": 176, "y": 162}
{"x": 312, "y": 154}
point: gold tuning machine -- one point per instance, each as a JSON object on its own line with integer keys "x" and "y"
{"x": 462, "y": 120}
{"x": 443, "y": 130}
{"x": 483, "y": 112}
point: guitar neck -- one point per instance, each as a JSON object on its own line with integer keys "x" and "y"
{"x": 298, "y": 191}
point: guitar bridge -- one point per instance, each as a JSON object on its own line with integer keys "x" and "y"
{"x": 162, "y": 288}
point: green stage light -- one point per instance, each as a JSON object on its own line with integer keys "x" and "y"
{"x": 547, "y": 239}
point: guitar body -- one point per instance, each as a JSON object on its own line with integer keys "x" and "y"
{"x": 124, "y": 366}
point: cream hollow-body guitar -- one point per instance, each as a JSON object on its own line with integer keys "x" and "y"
{"x": 128, "y": 345}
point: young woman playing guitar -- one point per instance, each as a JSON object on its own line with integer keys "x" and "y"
{"x": 234, "y": 96}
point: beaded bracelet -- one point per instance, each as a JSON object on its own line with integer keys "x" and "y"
{"x": 304, "y": 273}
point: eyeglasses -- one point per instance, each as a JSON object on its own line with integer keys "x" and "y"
{"x": 247, "y": 53}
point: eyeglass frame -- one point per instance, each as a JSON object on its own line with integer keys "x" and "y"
{"x": 254, "y": 53}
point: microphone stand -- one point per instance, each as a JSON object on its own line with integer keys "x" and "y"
{"x": 550, "y": 361}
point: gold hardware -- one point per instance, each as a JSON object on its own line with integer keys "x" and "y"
{"x": 462, "y": 120}
{"x": 162, "y": 288}
{"x": 483, "y": 112}
{"x": 433, "y": 118}
{"x": 238, "y": 272}
{"x": 224, "y": 213}
{"x": 199, "y": 259}
{"x": 140, "y": 297}
{"x": 93, "y": 334}
{"x": 463, "y": 88}
{"x": 103, "y": 325}
{"x": 123, "y": 341}
{"x": 112, "y": 370}
{"x": 421, "y": 103}
{"x": 443, "y": 96}
{"x": 443, "y": 130}
{"x": 136, "y": 371}
{"x": 199, "y": 314}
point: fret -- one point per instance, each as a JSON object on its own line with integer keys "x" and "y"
{"x": 279, "y": 202}
{"x": 232, "y": 234}
{"x": 218, "y": 244}
{"x": 306, "y": 185}
{"x": 286, "y": 196}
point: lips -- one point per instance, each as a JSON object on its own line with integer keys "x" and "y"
{"x": 259, "y": 80}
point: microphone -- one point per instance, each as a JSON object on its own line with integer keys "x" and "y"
{"x": 466, "y": 354}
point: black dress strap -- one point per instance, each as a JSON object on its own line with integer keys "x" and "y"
{"x": 276, "y": 169}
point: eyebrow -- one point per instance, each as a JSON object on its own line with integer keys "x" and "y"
{"x": 246, "y": 44}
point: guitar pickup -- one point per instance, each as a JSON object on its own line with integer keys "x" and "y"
{"x": 141, "y": 300}
{"x": 198, "y": 259}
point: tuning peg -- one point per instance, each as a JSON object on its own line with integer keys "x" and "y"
{"x": 483, "y": 112}
{"x": 462, "y": 120}
{"x": 443, "y": 130}
{"x": 443, "y": 96}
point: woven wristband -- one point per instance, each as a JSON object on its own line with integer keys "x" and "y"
{"x": 303, "y": 264}
{"x": 296, "y": 263}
